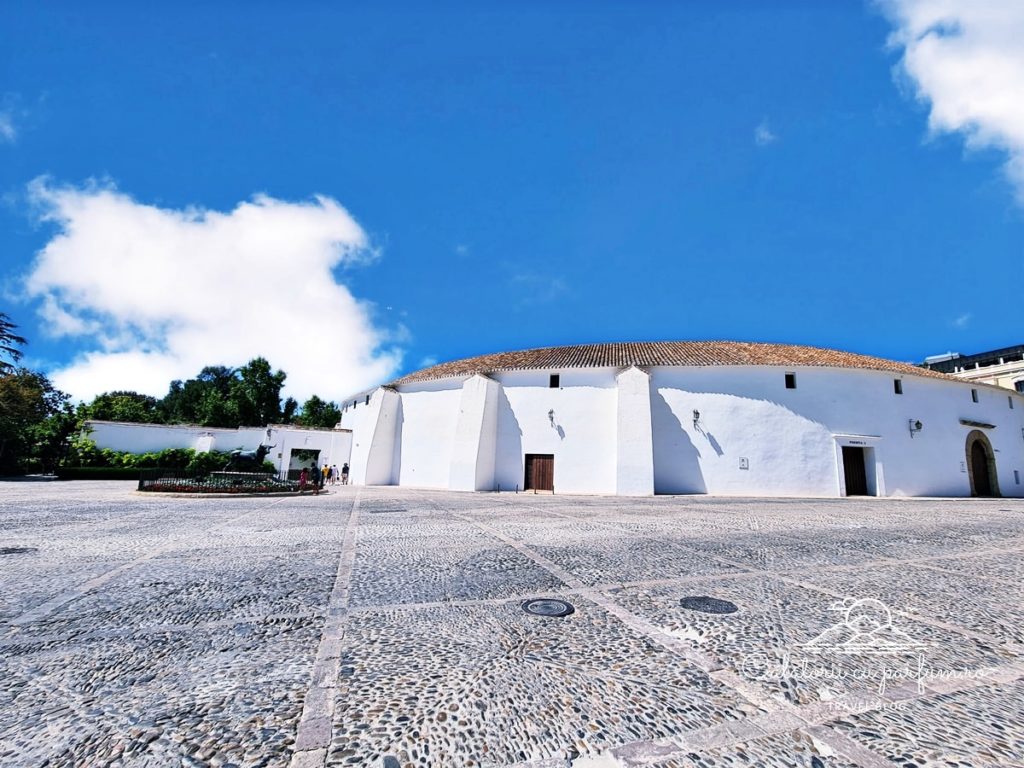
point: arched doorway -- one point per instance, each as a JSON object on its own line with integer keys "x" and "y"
{"x": 981, "y": 465}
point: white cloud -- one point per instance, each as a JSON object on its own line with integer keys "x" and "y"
{"x": 763, "y": 135}
{"x": 531, "y": 288}
{"x": 428, "y": 361}
{"x": 962, "y": 321}
{"x": 965, "y": 58}
{"x": 160, "y": 293}
{"x": 8, "y": 133}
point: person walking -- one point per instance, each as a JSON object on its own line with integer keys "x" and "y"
{"x": 314, "y": 478}
{"x": 303, "y": 479}
{"x": 324, "y": 474}
{"x": 334, "y": 474}
{"x": 344, "y": 473}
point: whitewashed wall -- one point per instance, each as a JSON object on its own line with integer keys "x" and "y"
{"x": 147, "y": 438}
{"x": 334, "y": 444}
{"x": 753, "y": 437}
{"x": 426, "y": 433}
{"x": 790, "y": 437}
{"x": 582, "y": 437}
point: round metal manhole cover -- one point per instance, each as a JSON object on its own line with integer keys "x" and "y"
{"x": 17, "y": 550}
{"x": 706, "y": 604}
{"x": 543, "y": 606}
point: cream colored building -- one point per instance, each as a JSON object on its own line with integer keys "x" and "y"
{"x": 999, "y": 367}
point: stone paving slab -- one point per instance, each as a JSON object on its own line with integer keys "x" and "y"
{"x": 969, "y": 728}
{"x": 140, "y": 631}
{"x": 995, "y": 611}
{"x": 463, "y": 701}
{"x": 770, "y": 639}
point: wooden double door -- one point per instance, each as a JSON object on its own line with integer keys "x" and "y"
{"x": 540, "y": 472}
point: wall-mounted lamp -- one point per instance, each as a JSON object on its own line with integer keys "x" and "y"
{"x": 696, "y": 418}
{"x": 551, "y": 416}
{"x": 915, "y": 426}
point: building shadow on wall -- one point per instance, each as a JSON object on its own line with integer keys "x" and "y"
{"x": 508, "y": 459}
{"x": 676, "y": 458}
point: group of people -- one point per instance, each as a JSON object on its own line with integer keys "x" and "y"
{"x": 318, "y": 478}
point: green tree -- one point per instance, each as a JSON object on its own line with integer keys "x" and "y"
{"x": 288, "y": 410}
{"x": 206, "y": 399}
{"x": 257, "y": 393}
{"x": 35, "y": 421}
{"x": 317, "y": 412}
{"x": 123, "y": 406}
{"x": 9, "y": 343}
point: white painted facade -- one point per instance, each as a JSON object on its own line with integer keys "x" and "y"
{"x": 716, "y": 429}
{"x": 334, "y": 445}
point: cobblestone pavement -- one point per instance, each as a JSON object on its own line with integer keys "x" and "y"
{"x": 385, "y": 627}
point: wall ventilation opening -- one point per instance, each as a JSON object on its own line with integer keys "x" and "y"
{"x": 974, "y": 395}
{"x": 790, "y": 381}
{"x": 554, "y": 381}
{"x": 897, "y": 385}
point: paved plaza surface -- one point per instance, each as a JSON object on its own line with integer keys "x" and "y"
{"x": 385, "y": 627}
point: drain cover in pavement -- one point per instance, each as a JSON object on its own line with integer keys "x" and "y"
{"x": 543, "y": 606}
{"x": 706, "y": 604}
{"x": 17, "y": 550}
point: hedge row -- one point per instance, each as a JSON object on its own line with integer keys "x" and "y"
{"x": 97, "y": 473}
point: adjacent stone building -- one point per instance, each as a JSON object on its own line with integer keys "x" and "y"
{"x": 689, "y": 418}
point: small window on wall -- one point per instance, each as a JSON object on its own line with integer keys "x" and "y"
{"x": 897, "y": 385}
{"x": 554, "y": 381}
{"x": 1019, "y": 386}
{"x": 974, "y": 395}
{"x": 1009, "y": 399}
{"x": 367, "y": 399}
{"x": 790, "y": 381}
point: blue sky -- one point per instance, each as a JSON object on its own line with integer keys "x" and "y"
{"x": 497, "y": 175}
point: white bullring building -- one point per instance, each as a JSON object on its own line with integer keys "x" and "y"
{"x": 726, "y": 418}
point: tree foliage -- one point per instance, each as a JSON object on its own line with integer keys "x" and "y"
{"x": 9, "y": 343}
{"x": 35, "y": 421}
{"x": 123, "y": 406}
{"x": 39, "y": 428}
{"x": 318, "y": 413}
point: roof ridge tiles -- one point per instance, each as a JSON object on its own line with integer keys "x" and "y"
{"x": 663, "y": 353}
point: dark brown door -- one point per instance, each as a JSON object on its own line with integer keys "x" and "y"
{"x": 979, "y": 468}
{"x": 540, "y": 472}
{"x": 853, "y": 470}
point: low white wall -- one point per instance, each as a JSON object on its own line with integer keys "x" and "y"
{"x": 335, "y": 445}
{"x": 147, "y": 438}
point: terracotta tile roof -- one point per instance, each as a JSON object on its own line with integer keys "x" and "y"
{"x": 654, "y": 353}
